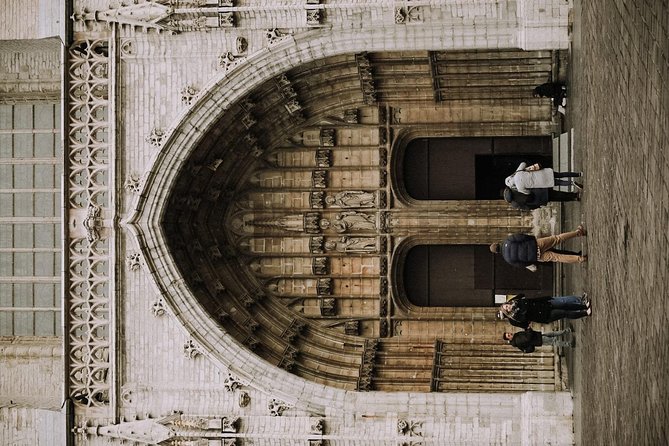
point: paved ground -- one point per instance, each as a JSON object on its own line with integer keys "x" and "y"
{"x": 619, "y": 108}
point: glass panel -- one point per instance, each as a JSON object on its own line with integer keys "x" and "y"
{"x": 23, "y": 235}
{"x": 23, "y": 145}
{"x": 44, "y": 204}
{"x": 44, "y": 323}
{"x": 23, "y": 204}
{"x": 6, "y": 146}
{"x": 23, "y": 116}
{"x": 6, "y": 324}
{"x": 23, "y": 323}
{"x": 44, "y": 296}
{"x": 44, "y": 145}
{"x": 6, "y": 112}
{"x": 23, "y": 265}
{"x": 44, "y": 116}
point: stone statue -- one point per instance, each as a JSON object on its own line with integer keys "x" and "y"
{"x": 353, "y": 244}
{"x": 352, "y": 199}
{"x": 354, "y": 221}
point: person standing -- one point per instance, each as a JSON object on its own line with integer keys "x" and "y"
{"x": 536, "y": 198}
{"x": 528, "y": 339}
{"x": 521, "y": 311}
{"x": 523, "y": 250}
{"x": 527, "y": 177}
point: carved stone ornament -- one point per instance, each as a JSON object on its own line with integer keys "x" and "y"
{"x": 327, "y": 137}
{"x": 227, "y": 61}
{"x": 356, "y": 245}
{"x": 229, "y": 425}
{"x": 324, "y": 286}
{"x": 383, "y": 328}
{"x": 352, "y": 199}
{"x": 248, "y": 120}
{"x": 226, "y": 19}
{"x": 383, "y": 286}
{"x": 317, "y": 426}
{"x": 316, "y": 245}
{"x": 188, "y": 93}
{"x": 366, "y": 78}
{"x": 313, "y": 223}
{"x": 191, "y": 349}
{"x": 320, "y": 266}
{"x": 232, "y": 383}
{"x": 241, "y": 45}
{"x": 275, "y": 36}
{"x": 133, "y": 183}
{"x": 327, "y": 306}
{"x": 92, "y": 223}
{"x": 276, "y": 407}
{"x": 317, "y": 199}
{"x": 351, "y": 116}
{"x": 133, "y": 261}
{"x": 408, "y": 14}
{"x": 354, "y": 221}
{"x": 352, "y": 328}
{"x": 383, "y": 306}
{"x": 156, "y": 137}
{"x": 319, "y": 179}
{"x": 314, "y": 17}
{"x": 158, "y": 307}
{"x": 324, "y": 158}
{"x": 244, "y": 399}
{"x": 410, "y": 428}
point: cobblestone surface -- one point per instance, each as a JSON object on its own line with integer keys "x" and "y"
{"x": 620, "y": 112}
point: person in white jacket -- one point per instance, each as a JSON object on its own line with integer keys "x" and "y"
{"x": 533, "y": 177}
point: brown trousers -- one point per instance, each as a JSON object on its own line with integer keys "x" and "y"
{"x": 544, "y": 245}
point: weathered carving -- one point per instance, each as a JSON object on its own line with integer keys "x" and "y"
{"x": 383, "y": 328}
{"x": 327, "y": 306}
{"x": 363, "y": 245}
{"x": 317, "y": 427}
{"x": 92, "y": 223}
{"x": 366, "y": 78}
{"x": 383, "y": 136}
{"x": 276, "y": 407}
{"x": 352, "y": 199}
{"x": 408, "y": 14}
{"x": 382, "y": 201}
{"x": 232, "y": 383}
{"x": 248, "y": 120}
{"x": 226, "y": 19}
{"x": 354, "y": 221}
{"x": 316, "y": 245}
{"x": 313, "y": 17}
{"x": 133, "y": 261}
{"x": 275, "y": 36}
{"x": 319, "y": 179}
{"x": 158, "y": 307}
{"x": 287, "y": 361}
{"x": 324, "y": 286}
{"x": 320, "y": 266}
{"x": 227, "y": 61}
{"x": 383, "y": 306}
{"x": 133, "y": 183}
{"x": 366, "y": 370}
{"x": 383, "y": 156}
{"x": 352, "y": 328}
{"x": 244, "y": 399}
{"x": 292, "y": 106}
{"x": 351, "y": 115}
{"x": 323, "y": 158}
{"x": 229, "y": 424}
{"x": 327, "y": 137}
{"x": 191, "y": 349}
{"x": 313, "y": 223}
{"x": 409, "y": 428}
{"x": 251, "y": 342}
{"x": 383, "y": 265}
{"x": 383, "y": 286}
{"x": 317, "y": 199}
{"x": 241, "y": 45}
{"x": 293, "y": 330}
{"x": 156, "y": 137}
{"x": 383, "y": 178}
{"x": 188, "y": 93}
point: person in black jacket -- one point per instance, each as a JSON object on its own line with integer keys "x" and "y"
{"x": 537, "y": 197}
{"x": 524, "y": 250}
{"x": 528, "y": 339}
{"x": 521, "y": 311}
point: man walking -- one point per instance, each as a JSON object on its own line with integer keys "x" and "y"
{"x": 528, "y": 339}
{"x": 524, "y": 250}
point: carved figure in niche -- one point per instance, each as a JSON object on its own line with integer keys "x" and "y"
{"x": 353, "y": 244}
{"x": 354, "y": 221}
{"x": 352, "y": 199}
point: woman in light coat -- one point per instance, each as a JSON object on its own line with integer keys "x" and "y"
{"x": 534, "y": 177}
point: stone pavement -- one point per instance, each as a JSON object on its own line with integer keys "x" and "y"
{"x": 619, "y": 109}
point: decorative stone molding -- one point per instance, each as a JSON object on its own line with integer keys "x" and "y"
{"x": 133, "y": 183}
{"x": 352, "y": 199}
{"x": 409, "y": 428}
{"x": 319, "y": 179}
{"x": 327, "y": 306}
{"x": 314, "y": 17}
{"x": 133, "y": 261}
{"x": 320, "y": 266}
{"x": 158, "y": 307}
{"x": 324, "y": 286}
{"x": 275, "y": 36}
{"x": 156, "y": 137}
{"x": 277, "y": 407}
{"x": 244, "y": 399}
{"x": 188, "y": 93}
{"x": 408, "y": 14}
{"x": 352, "y": 328}
{"x": 317, "y": 200}
{"x": 191, "y": 349}
{"x": 366, "y": 78}
{"x": 89, "y": 292}
{"x": 227, "y": 61}
{"x": 241, "y": 45}
{"x": 232, "y": 383}
{"x": 92, "y": 223}
{"x": 327, "y": 137}
{"x": 352, "y": 116}
{"x": 367, "y": 365}
{"x": 317, "y": 427}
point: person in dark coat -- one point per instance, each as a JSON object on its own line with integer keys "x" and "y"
{"x": 528, "y": 339}
{"x": 537, "y": 197}
{"x": 524, "y": 250}
{"x": 521, "y": 311}
{"x": 555, "y": 90}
